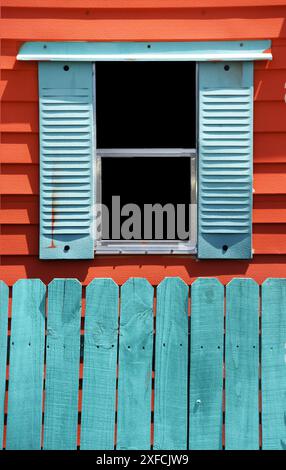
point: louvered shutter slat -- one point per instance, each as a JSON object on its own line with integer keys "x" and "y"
{"x": 225, "y": 160}
{"x": 66, "y": 160}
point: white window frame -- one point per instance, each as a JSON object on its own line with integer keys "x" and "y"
{"x": 149, "y": 246}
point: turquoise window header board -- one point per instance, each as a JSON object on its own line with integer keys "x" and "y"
{"x": 146, "y": 51}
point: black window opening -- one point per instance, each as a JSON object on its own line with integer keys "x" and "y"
{"x": 146, "y": 105}
{"x": 150, "y": 180}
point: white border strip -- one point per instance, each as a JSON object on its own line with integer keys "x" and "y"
{"x": 239, "y": 56}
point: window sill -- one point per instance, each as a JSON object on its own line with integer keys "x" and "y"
{"x": 145, "y": 247}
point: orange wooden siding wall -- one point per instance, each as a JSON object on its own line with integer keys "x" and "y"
{"x": 123, "y": 20}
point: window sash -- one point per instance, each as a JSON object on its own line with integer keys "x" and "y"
{"x": 149, "y": 246}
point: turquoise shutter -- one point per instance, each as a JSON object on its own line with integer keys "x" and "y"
{"x": 66, "y": 160}
{"x": 225, "y": 160}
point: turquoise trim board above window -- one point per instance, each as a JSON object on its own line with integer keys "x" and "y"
{"x": 108, "y": 51}
{"x": 67, "y": 140}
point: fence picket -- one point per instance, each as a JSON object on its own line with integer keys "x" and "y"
{"x": 273, "y": 364}
{"x": 62, "y": 363}
{"x": 99, "y": 374}
{"x": 135, "y": 365}
{"x": 171, "y": 365}
{"x": 242, "y": 365}
{"x": 206, "y": 374}
{"x": 26, "y": 365}
{"x": 4, "y": 294}
{"x": 26, "y": 370}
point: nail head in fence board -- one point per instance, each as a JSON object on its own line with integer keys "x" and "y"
{"x": 206, "y": 374}
{"x": 171, "y": 365}
{"x": 242, "y": 365}
{"x": 99, "y": 373}
{"x": 273, "y": 364}
{"x": 62, "y": 364}
{"x": 135, "y": 365}
{"x": 4, "y": 295}
{"x": 26, "y": 371}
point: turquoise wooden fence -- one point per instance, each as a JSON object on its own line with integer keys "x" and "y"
{"x": 176, "y": 367}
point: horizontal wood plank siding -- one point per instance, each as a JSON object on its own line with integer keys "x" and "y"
{"x": 185, "y": 26}
{"x": 29, "y": 20}
{"x": 122, "y": 4}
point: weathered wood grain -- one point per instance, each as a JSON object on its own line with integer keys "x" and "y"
{"x": 62, "y": 364}
{"x": 242, "y": 365}
{"x": 273, "y": 364}
{"x": 171, "y": 366}
{"x": 4, "y": 293}
{"x": 206, "y": 375}
{"x": 135, "y": 365}
{"x": 99, "y": 373}
{"x": 26, "y": 369}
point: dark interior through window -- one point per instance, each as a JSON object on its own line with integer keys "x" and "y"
{"x": 147, "y": 180}
{"x": 146, "y": 105}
